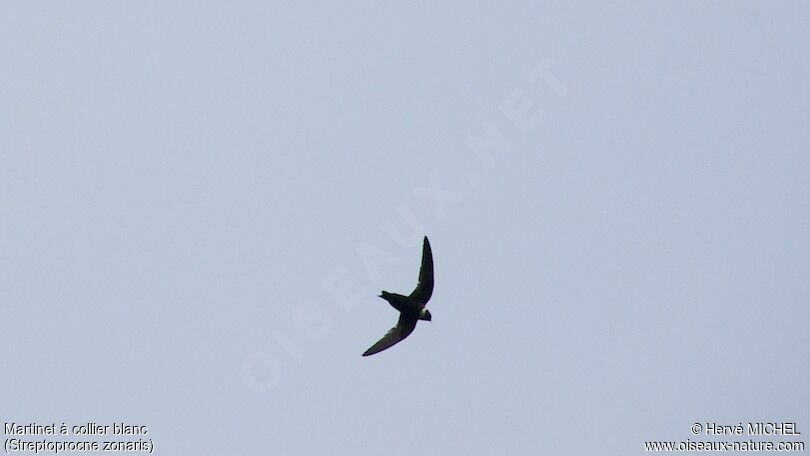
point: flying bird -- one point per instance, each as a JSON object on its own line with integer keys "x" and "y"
{"x": 411, "y": 308}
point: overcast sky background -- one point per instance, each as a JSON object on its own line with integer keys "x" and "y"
{"x": 184, "y": 187}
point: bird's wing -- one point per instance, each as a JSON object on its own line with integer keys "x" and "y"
{"x": 404, "y": 327}
{"x": 424, "y": 289}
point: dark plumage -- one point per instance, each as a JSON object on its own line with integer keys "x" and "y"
{"x": 411, "y": 308}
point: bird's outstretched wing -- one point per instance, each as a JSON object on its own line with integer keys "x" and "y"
{"x": 404, "y": 327}
{"x": 424, "y": 289}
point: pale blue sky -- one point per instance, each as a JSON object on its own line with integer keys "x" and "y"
{"x": 183, "y": 186}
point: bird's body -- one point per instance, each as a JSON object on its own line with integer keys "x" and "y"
{"x": 411, "y": 308}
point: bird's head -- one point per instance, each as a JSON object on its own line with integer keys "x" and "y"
{"x": 425, "y": 315}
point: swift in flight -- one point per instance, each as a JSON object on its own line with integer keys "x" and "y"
{"x": 411, "y": 308}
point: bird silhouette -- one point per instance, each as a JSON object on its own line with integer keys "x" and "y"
{"x": 411, "y": 308}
